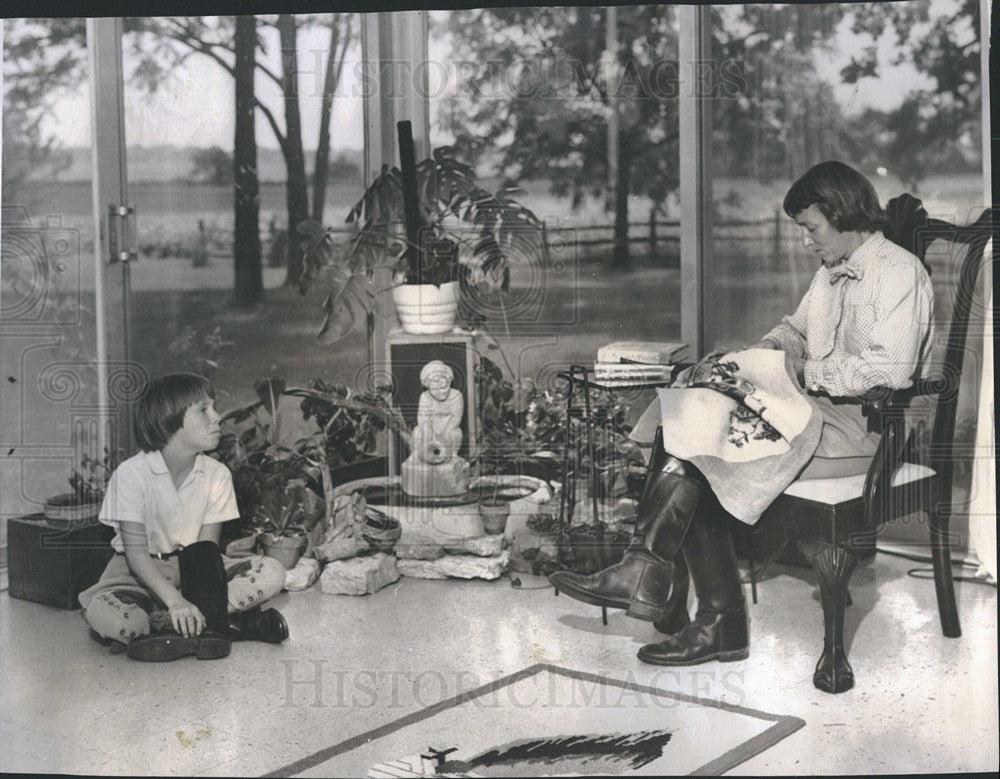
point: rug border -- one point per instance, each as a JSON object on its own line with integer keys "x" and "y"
{"x": 784, "y": 725}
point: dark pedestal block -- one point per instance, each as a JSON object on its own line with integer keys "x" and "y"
{"x": 53, "y": 563}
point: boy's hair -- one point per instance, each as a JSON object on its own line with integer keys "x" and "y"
{"x": 161, "y": 408}
{"x": 845, "y": 197}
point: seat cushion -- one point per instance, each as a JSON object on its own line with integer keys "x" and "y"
{"x": 845, "y": 488}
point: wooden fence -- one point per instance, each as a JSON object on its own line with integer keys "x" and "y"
{"x": 656, "y": 241}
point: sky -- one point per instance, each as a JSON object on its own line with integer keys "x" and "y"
{"x": 195, "y": 108}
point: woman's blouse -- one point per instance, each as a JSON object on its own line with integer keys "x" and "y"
{"x": 865, "y": 323}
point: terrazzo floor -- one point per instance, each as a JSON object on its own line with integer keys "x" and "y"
{"x": 922, "y": 702}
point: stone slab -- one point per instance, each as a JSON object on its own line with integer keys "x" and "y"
{"x": 359, "y": 575}
{"x": 425, "y": 547}
{"x": 303, "y": 575}
{"x": 455, "y": 566}
{"x": 419, "y": 546}
{"x": 481, "y": 546}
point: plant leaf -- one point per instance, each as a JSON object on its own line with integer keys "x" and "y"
{"x": 346, "y": 308}
{"x": 269, "y": 390}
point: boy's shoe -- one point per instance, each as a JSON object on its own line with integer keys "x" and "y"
{"x": 114, "y": 646}
{"x": 257, "y": 625}
{"x": 167, "y": 646}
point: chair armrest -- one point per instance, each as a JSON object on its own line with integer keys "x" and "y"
{"x": 879, "y": 401}
{"x": 878, "y": 396}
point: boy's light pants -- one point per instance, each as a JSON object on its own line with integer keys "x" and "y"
{"x": 118, "y": 605}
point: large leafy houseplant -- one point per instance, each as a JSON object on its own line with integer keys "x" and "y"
{"x": 466, "y": 234}
{"x": 287, "y": 489}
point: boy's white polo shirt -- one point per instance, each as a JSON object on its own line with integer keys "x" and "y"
{"x": 141, "y": 490}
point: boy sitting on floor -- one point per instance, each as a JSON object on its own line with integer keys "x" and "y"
{"x": 167, "y": 504}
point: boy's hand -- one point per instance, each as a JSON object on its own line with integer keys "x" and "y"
{"x": 186, "y": 618}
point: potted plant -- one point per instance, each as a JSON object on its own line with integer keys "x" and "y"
{"x": 379, "y": 531}
{"x": 88, "y": 483}
{"x": 281, "y": 519}
{"x": 494, "y": 510}
{"x": 284, "y": 489}
{"x": 466, "y": 235}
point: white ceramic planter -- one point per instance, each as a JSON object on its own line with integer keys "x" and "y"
{"x": 426, "y": 308}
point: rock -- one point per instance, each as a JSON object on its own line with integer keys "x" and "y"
{"x": 483, "y": 546}
{"x": 359, "y": 575}
{"x": 458, "y": 566}
{"x": 419, "y": 546}
{"x": 303, "y": 575}
{"x": 337, "y": 549}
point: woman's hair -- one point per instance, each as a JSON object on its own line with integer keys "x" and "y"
{"x": 845, "y": 197}
{"x": 161, "y": 408}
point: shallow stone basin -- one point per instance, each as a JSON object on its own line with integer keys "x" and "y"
{"x": 437, "y": 521}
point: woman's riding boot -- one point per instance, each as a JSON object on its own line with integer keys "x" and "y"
{"x": 258, "y": 625}
{"x": 643, "y": 581}
{"x": 719, "y": 629}
{"x": 675, "y": 611}
{"x": 203, "y": 583}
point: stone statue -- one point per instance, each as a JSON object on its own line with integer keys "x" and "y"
{"x": 434, "y": 468}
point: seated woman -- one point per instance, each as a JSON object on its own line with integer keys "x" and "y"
{"x": 866, "y": 321}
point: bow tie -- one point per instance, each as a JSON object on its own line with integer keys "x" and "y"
{"x": 845, "y": 270}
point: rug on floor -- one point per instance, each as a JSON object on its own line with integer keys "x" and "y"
{"x": 552, "y": 721}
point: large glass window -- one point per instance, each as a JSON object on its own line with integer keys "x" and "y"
{"x": 46, "y": 263}
{"x": 805, "y": 87}
{"x": 575, "y": 108}
{"x": 198, "y": 303}
{"x": 890, "y": 89}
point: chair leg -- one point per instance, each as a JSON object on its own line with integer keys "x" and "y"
{"x": 943, "y": 583}
{"x": 833, "y": 565}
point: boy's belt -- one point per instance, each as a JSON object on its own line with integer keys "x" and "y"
{"x": 158, "y": 556}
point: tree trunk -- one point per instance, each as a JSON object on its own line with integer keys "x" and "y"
{"x": 297, "y": 185}
{"x": 246, "y": 199}
{"x": 620, "y": 259}
{"x": 334, "y": 66}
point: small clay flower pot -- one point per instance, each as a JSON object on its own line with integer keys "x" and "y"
{"x": 494, "y": 514}
{"x": 380, "y": 531}
{"x": 285, "y": 549}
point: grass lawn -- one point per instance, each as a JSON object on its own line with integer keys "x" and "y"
{"x": 571, "y": 318}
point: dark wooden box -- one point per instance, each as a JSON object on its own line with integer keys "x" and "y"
{"x": 52, "y": 563}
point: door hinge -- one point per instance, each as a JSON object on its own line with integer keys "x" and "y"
{"x": 122, "y": 239}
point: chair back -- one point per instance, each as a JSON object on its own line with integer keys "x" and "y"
{"x": 909, "y": 226}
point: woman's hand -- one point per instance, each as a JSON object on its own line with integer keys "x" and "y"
{"x": 799, "y": 365}
{"x": 186, "y": 618}
{"x": 765, "y": 343}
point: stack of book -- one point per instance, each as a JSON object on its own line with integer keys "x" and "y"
{"x": 637, "y": 362}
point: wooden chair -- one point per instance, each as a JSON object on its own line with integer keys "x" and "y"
{"x": 834, "y": 522}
